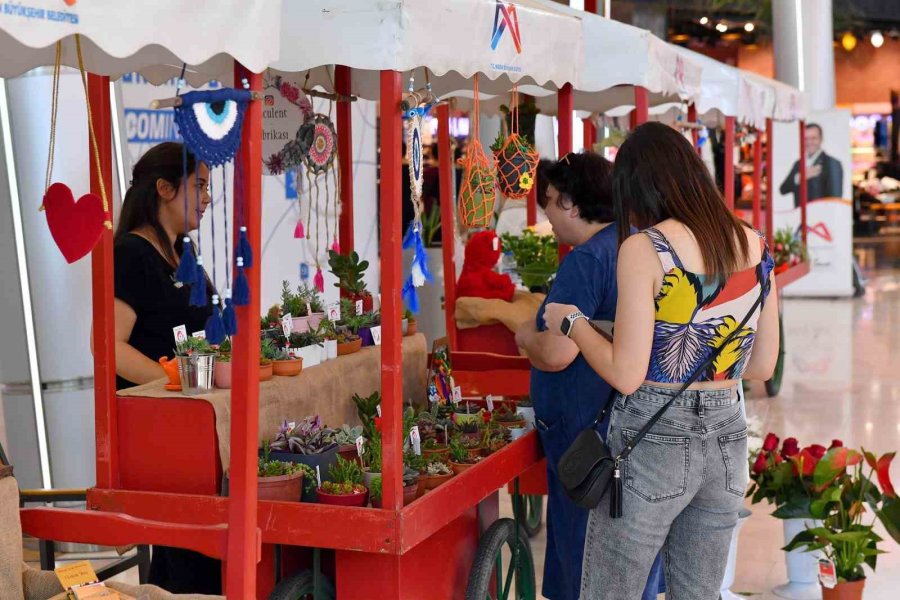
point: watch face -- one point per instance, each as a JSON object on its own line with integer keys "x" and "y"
{"x": 565, "y": 325}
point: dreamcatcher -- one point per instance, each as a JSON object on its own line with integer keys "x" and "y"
{"x": 416, "y": 107}
{"x": 516, "y": 158}
{"x": 76, "y": 227}
{"x": 477, "y": 192}
{"x": 210, "y": 123}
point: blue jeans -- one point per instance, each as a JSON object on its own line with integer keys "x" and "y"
{"x": 684, "y": 484}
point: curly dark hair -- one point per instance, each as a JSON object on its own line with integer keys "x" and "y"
{"x": 583, "y": 180}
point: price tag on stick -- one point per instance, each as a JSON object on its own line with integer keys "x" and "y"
{"x": 490, "y": 403}
{"x": 360, "y": 444}
{"x": 415, "y": 440}
{"x": 318, "y": 476}
{"x": 827, "y": 573}
{"x": 378, "y": 409}
{"x": 359, "y": 307}
{"x": 287, "y": 324}
{"x": 457, "y": 395}
{"x": 180, "y": 334}
{"x": 199, "y": 335}
{"x": 334, "y": 312}
{"x": 376, "y": 335}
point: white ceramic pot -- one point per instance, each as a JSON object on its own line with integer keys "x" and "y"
{"x": 802, "y": 567}
{"x": 311, "y": 356}
{"x": 517, "y": 432}
{"x": 527, "y": 413}
{"x": 331, "y": 349}
{"x": 323, "y": 353}
{"x": 725, "y": 593}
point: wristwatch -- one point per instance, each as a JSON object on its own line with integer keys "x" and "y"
{"x": 568, "y": 323}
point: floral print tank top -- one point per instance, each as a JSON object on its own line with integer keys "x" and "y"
{"x": 694, "y": 315}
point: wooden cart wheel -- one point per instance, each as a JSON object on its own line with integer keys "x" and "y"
{"x": 300, "y": 586}
{"x": 529, "y": 512}
{"x": 487, "y": 579}
{"x": 773, "y": 385}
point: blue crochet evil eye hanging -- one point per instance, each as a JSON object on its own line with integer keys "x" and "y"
{"x": 210, "y": 123}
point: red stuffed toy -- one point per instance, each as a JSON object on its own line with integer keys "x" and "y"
{"x": 478, "y": 278}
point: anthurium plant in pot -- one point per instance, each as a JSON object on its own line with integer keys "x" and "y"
{"x": 350, "y": 270}
{"x": 847, "y": 501}
{"x": 308, "y": 442}
{"x": 345, "y": 487}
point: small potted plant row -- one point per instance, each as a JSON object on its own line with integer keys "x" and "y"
{"x": 345, "y": 487}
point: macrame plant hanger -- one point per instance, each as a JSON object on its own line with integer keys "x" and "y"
{"x": 76, "y": 227}
{"x": 477, "y": 192}
{"x": 416, "y": 107}
{"x": 516, "y": 160}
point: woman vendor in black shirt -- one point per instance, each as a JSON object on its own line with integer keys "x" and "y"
{"x": 149, "y": 303}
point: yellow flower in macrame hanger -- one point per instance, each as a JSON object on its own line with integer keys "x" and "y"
{"x": 477, "y": 193}
{"x": 516, "y": 158}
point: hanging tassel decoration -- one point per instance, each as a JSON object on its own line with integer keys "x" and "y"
{"x": 198, "y": 288}
{"x": 187, "y": 267}
{"x": 244, "y": 247}
{"x": 319, "y": 280}
{"x": 215, "y": 327}
{"x": 410, "y": 296}
{"x": 241, "y": 287}
{"x": 229, "y": 318}
{"x": 616, "y": 494}
{"x": 419, "y": 268}
{"x": 335, "y": 245}
{"x": 298, "y": 230}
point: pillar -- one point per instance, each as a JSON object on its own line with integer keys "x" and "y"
{"x": 804, "y": 54}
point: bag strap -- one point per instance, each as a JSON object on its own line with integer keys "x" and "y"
{"x": 690, "y": 381}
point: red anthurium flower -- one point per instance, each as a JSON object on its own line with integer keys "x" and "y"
{"x": 817, "y": 451}
{"x": 836, "y": 444}
{"x": 761, "y": 463}
{"x": 485, "y": 416}
{"x": 771, "y": 442}
{"x": 378, "y": 424}
{"x": 778, "y": 458}
{"x": 807, "y": 461}
{"x": 883, "y": 470}
{"x": 790, "y": 448}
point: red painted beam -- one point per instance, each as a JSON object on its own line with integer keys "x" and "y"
{"x": 590, "y": 6}
{"x": 531, "y": 206}
{"x": 641, "y": 106}
{"x": 729, "y": 163}
{"x": 590, "y": 134}
{"x": 446, "y": 178}
{"x": 342, "y": 84}
{"x": 770, "y": 183}
{"x": 804, "y": 198}
{"x": 791, "y": 275}
{"x": 90, "y": 527}
{"x": 243, "y": 540}
{"x": 757, "y": 181}
{"x": 391, "y": 285}
{"x": 565, "y": 106}
{"x": 695, "y": 133}
{"x": 104, "y": 328}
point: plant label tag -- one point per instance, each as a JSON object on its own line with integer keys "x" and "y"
{"x": 359, "y": 307}
{"x": 827, "y": 573}
{"x": 495, "y": 243}
{"x": 360, "y": 443}
{"x": 416, "y": 440}
{"x": 180, "y": 334}
{"x": 490, "y": 403}
{"x": 308, "y": 308}
{"x": 287, "y": 324}
{"x": 334, "y": 312}
{"x": 291, "y": 425}
{"x": 199, "y": 335}
{"x": 318, "y": 476}
{"x": 457, "y": 394}
{"x": 376, "y": 335}
{"x": 74, "y": 574}
{"x": 378, "y": 409}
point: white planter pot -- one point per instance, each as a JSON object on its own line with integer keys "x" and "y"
{"x": 311, "y": 356}
{"x": 725, "y": 592}
{"x": 517, "y": 432}
{"x": 331, "y": 349}
{"x": 323, "y": 353}
{"x": 527, "y": 413}
{"x": 802, "y": 567}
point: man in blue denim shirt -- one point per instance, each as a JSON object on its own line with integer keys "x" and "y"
{"x": 567, "y": 393}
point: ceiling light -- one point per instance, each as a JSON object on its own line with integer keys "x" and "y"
{"x": 704, "y": 20}
{"x": 721, "y": 27}
{"x": 748, "y": 27}
{"x": 848, "y": 41}
{"x": 877, "y": 39}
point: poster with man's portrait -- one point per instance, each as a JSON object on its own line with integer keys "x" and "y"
{"x": 829, "y": 210}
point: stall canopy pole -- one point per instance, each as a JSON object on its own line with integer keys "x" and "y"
{"x": 345, "y": 154}
{"x": 590, "y": 134}
{"x": 770, "y": 184}
{"x": 243, "y": 536}
{"x": 448, "y": 223}
{"x": 104, "y": 330}
{"x": 757, "y": 181}
{"x": 729, "y": 163}
{"x": 565, "y": 106}
{"x": 641, "y": 106}
{"x": 804, "y": 198}
{"x": 391, "y": 284}
{"x": 695, "y": 133}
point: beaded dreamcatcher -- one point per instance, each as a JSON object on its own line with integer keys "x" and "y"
{"x": 516, "y": 158}
{"x": 210, "y": 123}
{"x": 477, "y": 192}
{"x": 416, "y": 107}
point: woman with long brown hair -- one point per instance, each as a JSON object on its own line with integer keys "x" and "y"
{"x": 685, "y": 284}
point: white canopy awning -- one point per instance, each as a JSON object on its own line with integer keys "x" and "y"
{"x": 788, "y": 103}
{"x": 153, "y": 38}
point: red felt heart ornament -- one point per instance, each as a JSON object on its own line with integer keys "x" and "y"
{"x": 76, "y": 227}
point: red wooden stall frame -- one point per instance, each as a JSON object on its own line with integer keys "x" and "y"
{"x": 695, "y": 133}
{"x": 770, "y": 182}
{"x": 729, "y": 163}
{"x": 757, "y": 180}
{"x": 342, "y": 84}
{"x": 448, "y": 222}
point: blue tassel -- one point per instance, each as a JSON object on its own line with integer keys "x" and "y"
{"x": 241, "y": 287}
{"x": 187, "y": 267}
{"x": 215, "y": 328}
{"x": 198, "y": 288}
{"x": 229, "y": 319}
{"x": 244, "y": 250}
{"x": 419, "y": 267}
{"x": 410, "y": 296}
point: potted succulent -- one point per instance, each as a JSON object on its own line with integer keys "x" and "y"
{"x": 345, "y": 438}
{"x": 470, "y": 430}
{"x": 267, "y": 353}
{"x": 507, "y": 416}
{"x": 222, "y": 375}
{"x": 461, "y": 458}
{"x": 286, "y": 365}
{"x": 345, "y": 487}
{"x": 309, "y": 298}
{"x": 327, "y": 332}
{"x": 278, "y": 480}
{"x": 196, "y": 365}
{"x": 375, "y": 492}
{"x": 472, "y": 443}
{"x": 367, "y": 411}
{"x": 353, "y": 322}
{"x": 371, "y": 459}
{"x": 842, "y": 490}
{"x": 410, "y": 487}
{"x": 495, "y": 438}
{"x": 410, "y": 326}
{"x": 434, "y": 474}
{"x": 412, "y": 463}
{"x": 365, "y": 331}
{"x": 349, "y": 270}
{"x": 467, "y": 412}
{"x": 306, "y": 346}
{"x": 308, "y": 442}
{"x": 432, "y": 449}
{"x": 347, "y": 343}
{"x": 291, "y": 304}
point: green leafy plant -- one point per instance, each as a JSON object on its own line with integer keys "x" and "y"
{"x": 458, "y": 452}
{"x": 326, "y": 330}
{"x": 788, "y": 249}
{"x": 302, "y": 340}
{"x": 367, "y": 410}
{"x": 349, "y": 270}
{"x": 840, "y": 502}
{"x": 277, "y": 468}
{"x": 408, "y": 315}
{"x": 193, "y": 346}
{"x": 350, "y": 319}
{"x": 345, "y": 471}
{"x": 372, "y": 454}
{"x": 537, "y": 257}
{"x": 375, "y": 489}
{"x": 528, "y": 112}
{"x": 283, "y": 354}
{"x": 410, "y": 475}
{"x": 347, "y": 435}
{"x": 223, "y": 352}
{"x": 431, "y": 224}
{"x": 268, "y": 350}
{"x": 506, "y": 413}
{"x": 414, "y": 462}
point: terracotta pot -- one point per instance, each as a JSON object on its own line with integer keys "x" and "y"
{"x": 846, "y": 590}
{"x": 411, "y": 327}
{"x": 439, "y": 453}
{"x": 222, "y": 375}
{"x": 349, "y": 347}
{"x": 265, "y": 372}
{"x": 513, "y": 424}
{"x": 460, "y": 467}
{"x": 287, "y": 368}
{"x": 410, "y": 493}
{"x": 475, "y": 452}
{"x": 429, "y": 482}
{"x": 281, "y": 488}
{"x": 476, "y": 437}
{"x": 357, "y": 499}
{"x": 348, "y": 453}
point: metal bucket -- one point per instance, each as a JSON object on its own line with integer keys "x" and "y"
{"x": 196, "y": 372}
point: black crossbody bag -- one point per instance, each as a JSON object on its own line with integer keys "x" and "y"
{"x": 588, "y": 469}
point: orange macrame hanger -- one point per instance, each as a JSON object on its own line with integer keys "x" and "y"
{"x": 477, "y": 193}
{"x": 517, "y": 159}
